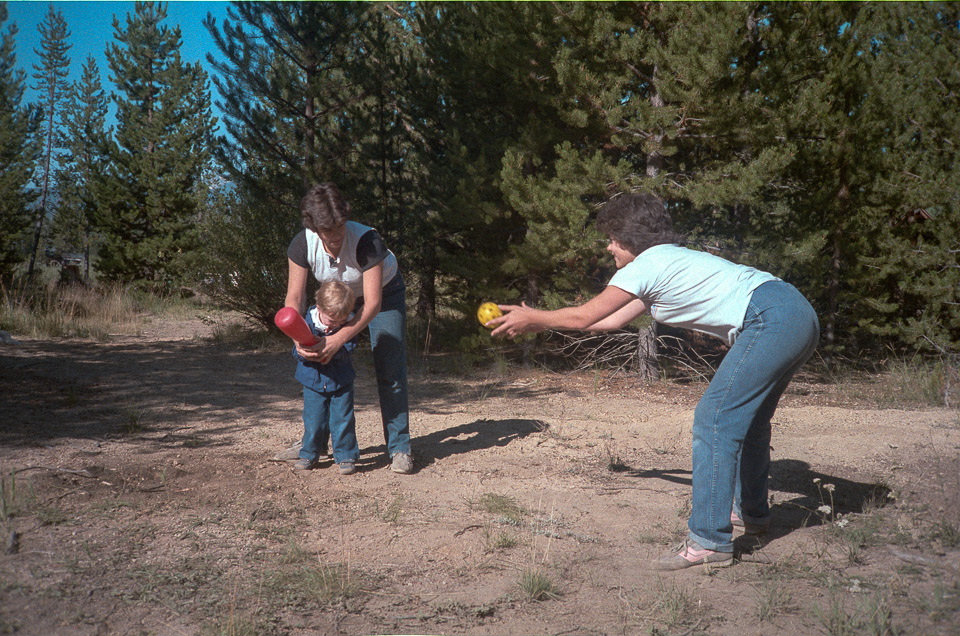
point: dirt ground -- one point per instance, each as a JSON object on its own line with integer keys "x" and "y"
{"x": 139, "y": 498}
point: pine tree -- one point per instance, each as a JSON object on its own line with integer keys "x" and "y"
{"x": 309, "y": 94}
{"x": 381, "y": 179}
{"x": 51, "y": 75}
{"x": 286, "y": 91}
{"x": 481, "y": 110}
{"x": 162, "y": 146}
{"x": 18, "y": 152}
{"x": 82, "y": 164}
{"x": 912, "y": 273}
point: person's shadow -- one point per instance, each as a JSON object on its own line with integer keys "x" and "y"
{"x": 466, "y": 438}
{"x": 810, "y": 489}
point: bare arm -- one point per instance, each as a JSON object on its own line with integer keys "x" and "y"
{"x": 523, "y": 319}
{"x": 296, "y": 298}
{"x": 296, "y": 287}
{"x": 621, "y": 317}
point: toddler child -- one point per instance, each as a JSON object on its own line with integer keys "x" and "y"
{"x": 328, "y": 388}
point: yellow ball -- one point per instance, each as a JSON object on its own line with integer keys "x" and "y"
{"x": 487, "y": 312}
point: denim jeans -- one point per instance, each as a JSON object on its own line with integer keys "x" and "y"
{"x": 329, "y": 414}
{"x": 731, "y": 424}
{"x": 388, "y": 341}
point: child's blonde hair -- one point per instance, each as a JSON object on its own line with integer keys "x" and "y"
{"x": 336, "y": 299}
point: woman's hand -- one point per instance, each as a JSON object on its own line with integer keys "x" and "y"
{"x": 592, "y": 314}
{"x": 313, "y": 353}
{"x": 331, "y": 344}
{"x": 516, "y": 320}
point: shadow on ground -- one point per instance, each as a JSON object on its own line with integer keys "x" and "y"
{"x": 798, "y": 478}
{"x": 466, "y": 438}
{"x": 89, "y": 390}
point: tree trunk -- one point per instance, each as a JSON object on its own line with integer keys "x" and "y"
{"x": 833, "y": 293}
{"x": 427, "y": 296}
{"x": 532, "y": 296}
{"x": 648, "y": 366}
{"x": 46, "y": 180}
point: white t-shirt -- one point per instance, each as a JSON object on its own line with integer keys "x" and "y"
{"x": 693, "y": 290}
{"x": 346, "y": 267}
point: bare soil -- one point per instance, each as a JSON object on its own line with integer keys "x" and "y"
{"x": 139, "y": 497}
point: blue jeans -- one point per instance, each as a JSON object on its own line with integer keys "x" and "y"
{"x": 329, "y": 414}
{"x": 731, "y": 424}
{"x": 388, "y": 332}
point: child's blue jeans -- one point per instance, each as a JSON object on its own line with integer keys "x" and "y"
{"x": 731, "y": 424}
{"x": 329, "y": 414}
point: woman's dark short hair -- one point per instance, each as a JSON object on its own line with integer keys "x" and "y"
{"x": 637, "y": 221}
{"x": 323, "y": 207}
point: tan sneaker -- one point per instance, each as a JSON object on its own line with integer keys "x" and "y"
{"x": 690, "y": 553}
{"x": 402, "y": 463}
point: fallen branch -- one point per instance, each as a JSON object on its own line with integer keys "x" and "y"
{"x": 70, "y": 471}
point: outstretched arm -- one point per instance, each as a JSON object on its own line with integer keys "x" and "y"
{"x": 522, "y": 319}
{"x": 621, "y": 317}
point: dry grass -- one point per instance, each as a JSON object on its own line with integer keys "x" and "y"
{"x": 78, "y": 311}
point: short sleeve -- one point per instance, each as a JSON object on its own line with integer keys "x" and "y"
{"x": 370, "y": 250}
{"x": 297, "y": 250}
{"x": 634, "y": 278}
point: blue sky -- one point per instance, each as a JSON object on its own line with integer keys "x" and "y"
{"x": 91, "y": 30}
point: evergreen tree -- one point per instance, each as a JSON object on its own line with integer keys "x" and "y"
{"x": 18, "y": 152}
{"x": 380, "y": 178}
{"x": 912, "y": 273}
{"x": 51, "y": 75}
{"x": 286, "y": 91}
{"x": 82, "y": 164}
{"x": 308, "y": 94}
{"x": 162, "y": 146}
{"x": 484, "y": 119}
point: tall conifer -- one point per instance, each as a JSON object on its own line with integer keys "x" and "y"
{"x": 82, "y": 164}
{"x": 162, "y": 146}
{"x": 18, "y": 151}
{"x": 310, "y": 93}
{"x": 51, "y": 75}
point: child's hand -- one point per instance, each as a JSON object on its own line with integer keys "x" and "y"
{"x": 312, "y": 353}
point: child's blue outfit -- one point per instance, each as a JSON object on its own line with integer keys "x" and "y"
{"x": 328, "y": 399}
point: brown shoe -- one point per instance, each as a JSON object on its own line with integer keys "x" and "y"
{"x": 292, "y": 454}
{"x": 305, "y": 464}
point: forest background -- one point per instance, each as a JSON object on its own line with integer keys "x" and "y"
{"x": 816, "y": 141}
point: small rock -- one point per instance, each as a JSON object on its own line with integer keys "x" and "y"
{"x": 13, "y": 543}
{"x": 6, "y": 338}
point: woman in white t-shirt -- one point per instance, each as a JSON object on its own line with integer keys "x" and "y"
{"x": 770, "y": 327}
{"x": 332, "y": 247}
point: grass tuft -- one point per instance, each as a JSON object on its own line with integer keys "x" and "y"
{"x": 774, "y": 600}
{"x": 504, "y": 506}
{"x": 537, "y": 586}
